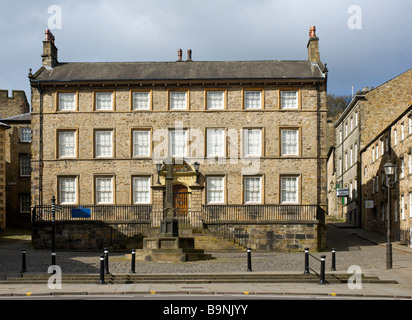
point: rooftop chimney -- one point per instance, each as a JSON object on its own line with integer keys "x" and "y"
{"x": 189, "y": 55}
{"x": 49, "y": 56}
{"x": 179, "y": 55}
{"x": 313, "y": 46}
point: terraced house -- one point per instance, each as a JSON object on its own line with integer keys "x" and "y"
{"x": 248, "y": 139}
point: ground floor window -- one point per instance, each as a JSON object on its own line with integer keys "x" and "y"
{"x": 104, "y": 190}
{"x": 215, "y": 190}
{"x": 289, "y": 190}
{"x": 141, "y": 190}
{"x": 253, "y": 190}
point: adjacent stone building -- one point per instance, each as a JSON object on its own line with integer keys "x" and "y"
{"x": 246, "y": 133}
{"x": 3, "y": 128}
{"x": 393, "y": 144}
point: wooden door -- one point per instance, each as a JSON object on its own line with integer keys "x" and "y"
{"x": 180, "y": 199}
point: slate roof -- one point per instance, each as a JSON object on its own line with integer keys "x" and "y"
{"x": 194, "y": 70}
{"x": 20, "y": 117}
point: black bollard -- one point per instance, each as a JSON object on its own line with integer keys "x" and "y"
{"x": 106, "y": 259}
{"x": 333, "y": 260}
{"x": 306, "y": 260}
{"x": 23, "y": 261}
{"x": 133, "y": 261}
{"x": 102, "y": 269}
{"x": 249, "y": 259}
{"x": 322, "y": 270}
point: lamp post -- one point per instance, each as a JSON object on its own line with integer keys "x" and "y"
{"x": 389, "y": 168}
{"x": 159, "y": 168}
{"x": 197, "y": 167}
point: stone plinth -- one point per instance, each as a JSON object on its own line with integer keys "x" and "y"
{"x": 171, "y": 249}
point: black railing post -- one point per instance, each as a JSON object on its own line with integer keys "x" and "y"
{"x": 102, "y": 269}
{"x": 133, "y": 261}
{"x": 53, "y": 231}
{"x": 333, "y": 259}
{"x": 23, "y": 261}
{"x": 322, "y": 270}
{"x": 306, "y": 260}
{"x": 106, "y": 260}
{"x": 249, "y": 259}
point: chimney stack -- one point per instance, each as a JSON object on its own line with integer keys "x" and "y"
{"x": 179, "y": 55}
{"x": 313, "y": 46}
{"x": 49, "y": 56}
{"x": 189, "y": 55}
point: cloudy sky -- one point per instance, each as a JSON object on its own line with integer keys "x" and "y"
{"x": 363, "y": 42}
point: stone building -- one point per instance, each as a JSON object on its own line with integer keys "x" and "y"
{"x": 3, "y": 128}
{"x": 369, "y": 112}
{"x": 241, "y": 132}
{"x": 393, "y": 144}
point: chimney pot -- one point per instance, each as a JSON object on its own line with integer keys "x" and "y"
{"x": 189, "y": 55}
{"x": 312, "y": 32}
{"x": 179, "y": 55}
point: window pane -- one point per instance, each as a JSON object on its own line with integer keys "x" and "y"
{"x": 25, "y": 203}
{"x": 25, "y": 166}
{"x": 104, "y": 190}
{"x": 290, "y": 142}
{"x": 253, "y": 100}
{"x": 215, "y": 190}
{"x": 253, "y": 190}
{"x": 253, "y": 142}
{"x": 141, "y": 100}
{"x": 67, "y": 144}
{"x": 104, "y": 101}
{"x": 216, "y": 142}
{"x": 290, "y": 189}
{"x": 215, "y": 100}
{"x": 141, "y": 143}
{"x": 104, "y": 143}
{"x": 178, "y": 143}
{"x": 68, "y": 190}
{"x": 25, "y": 135}
{"x": 178, "y": 100}
{"x": 67, "y": 101}
{"x": 141, "y": 190}
{"x": 289, "y": 99}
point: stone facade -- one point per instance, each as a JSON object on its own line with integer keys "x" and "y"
{"x": 305, "y": 123}
{"x": 394, "y": 143}
{"x": 3, "y": 128}
{"x": 14, "y": 105}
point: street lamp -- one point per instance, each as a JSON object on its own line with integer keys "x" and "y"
{"x": 389, "y": 168}
{"x": 197, "y": 168}
{"x": 158, "y": 167}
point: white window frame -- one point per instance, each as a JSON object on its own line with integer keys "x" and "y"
{"x": 172, "y": 143}
{"x": 178, "y": 100}
{"x": 141, "y": 100}
{"x": 25, "y": 134}
{"x": 395, "y": 137}
{"x": 109, "y": 192}
{"x": 102, "y": 103}
{"x": 285, "y": 194}
{"x": 103, "y": 149}
{"x": 402, "y": 173}
{"x": 252, "y": 99}
{"x": 250, "y": 194}
{"x": 289, "y": 99}
{"x": 287, "y": 143}
{"x": 65, "y": 146}
{"x": 402, "y": 207}
{"x": 215, "y": 142}
{"x": 67, "y": 101}
{"x": 402, "y": 131}
{"x": 142, "y": 145}
{"x": 254, "y": 149}
{"x": 215, "y": 195}
{"x": 71, "y": 193}
{"x": 147, "y": 197}
{"x": 215, "y": 99}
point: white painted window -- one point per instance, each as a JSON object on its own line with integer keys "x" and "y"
{"x": 215, "y": 142}
{"x": 178, "y": 143}
{"x": 402, "y": 131}
{"x": 68, "y": 190}
{"x": 25, "y": 134}
{"x": 402, "y": 207}
{"x": 215, "y": 190}
{"x": 104, "y": 143}
{"x": 141, "y": 143}
{"x": 289, "y": 190}
{"x": 104, "y": 190}
{"x": 67, "y": 101}
{"x": 253, "y": 100}
{"x": 141, "y": 100}
{"x": 141, "y": 190}
{"x": 104, "y": 101}
{"x": 395, "y": 137}
{"x": 402, "y": 173}
{"x": 289, "y": 99}
{"x": 67, "y": 144}
{"x": 215, "y": 100}
{"x": 253, "y": 189}
{"x": 290, "y": 142}
{"x": 252, "y": 143}
{"x": 178, "y": 100}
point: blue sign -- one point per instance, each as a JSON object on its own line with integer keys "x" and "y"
{"x": 81, "y": 213}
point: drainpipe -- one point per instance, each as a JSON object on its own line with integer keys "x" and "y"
{"x": 40, "y": 145}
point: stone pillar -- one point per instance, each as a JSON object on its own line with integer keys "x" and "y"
{"x": 196, "y": 205}
{"x": 157, "y": 211}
